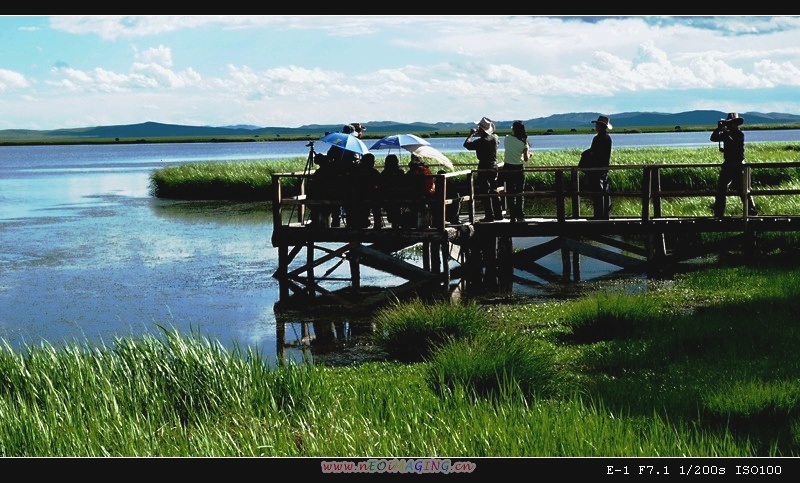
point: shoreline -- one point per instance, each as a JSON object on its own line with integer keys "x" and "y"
{"x": 45, "y": 140}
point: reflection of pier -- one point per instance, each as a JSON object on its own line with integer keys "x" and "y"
{"x": 315, "y": 261}
{"x": 299, "y": 339}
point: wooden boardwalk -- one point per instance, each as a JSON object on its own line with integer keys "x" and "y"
{"x": 459, "y": 250}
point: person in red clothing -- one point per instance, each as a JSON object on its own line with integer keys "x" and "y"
{"x": 421, "y": 184}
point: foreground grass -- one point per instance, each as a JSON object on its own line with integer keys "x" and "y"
{"x": 704, "y": 366}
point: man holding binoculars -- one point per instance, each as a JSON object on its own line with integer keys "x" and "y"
{"x": 731, "y": 144}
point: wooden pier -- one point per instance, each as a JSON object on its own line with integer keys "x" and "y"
{"x": 460, "y": 251}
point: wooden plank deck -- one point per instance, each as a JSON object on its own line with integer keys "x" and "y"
{"x": 456, "y": 250}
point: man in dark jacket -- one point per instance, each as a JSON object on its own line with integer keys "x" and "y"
{"x": 731, "y": 143}
{"x": 599, "y": 156}
{"x": 485, "y": 147}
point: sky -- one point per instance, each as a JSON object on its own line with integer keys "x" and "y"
{"x": 288, "y": 71}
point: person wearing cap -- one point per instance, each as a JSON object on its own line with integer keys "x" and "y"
{"x": 599, "y": 156}
{"x": 485, "y": 147}
{"x": 731, "y": 143}
{"x": 358, "y": 129}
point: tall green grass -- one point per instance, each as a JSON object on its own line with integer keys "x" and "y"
{"x": 704, "y": 366}
{"x": 251, "y": 180}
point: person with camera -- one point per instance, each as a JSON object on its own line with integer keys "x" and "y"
{"x": 599, "y": 156}
{"x": 731, "y": 143}
{"x": 485, "y": 147}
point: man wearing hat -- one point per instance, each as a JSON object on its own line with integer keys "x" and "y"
{"x": 358, "y": 129}
{"x": 485, "y": 147}
{"x": 599, "y": 156}
{"x": 731, "y": 144}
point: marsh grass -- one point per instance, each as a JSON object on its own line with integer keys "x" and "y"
{"x": 251, "y": 180}
{"x": 703, "y": 366}
{"x": 409, "y": 331}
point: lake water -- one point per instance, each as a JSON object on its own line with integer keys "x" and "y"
{"x": 87, "y": 255}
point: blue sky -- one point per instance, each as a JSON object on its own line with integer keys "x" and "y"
{"x": 80, "y": 71}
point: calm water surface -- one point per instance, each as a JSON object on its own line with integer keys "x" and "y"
{"x": 87, "y": 255}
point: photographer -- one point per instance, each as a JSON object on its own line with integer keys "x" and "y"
{"x": 731, "y": 144}
{"x": 485, "y": 146}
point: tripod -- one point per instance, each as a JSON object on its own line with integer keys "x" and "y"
{"x": 310, "y": 161}
{"x": 306, "y": 175}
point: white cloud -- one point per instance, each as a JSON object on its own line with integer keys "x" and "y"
{"x": 409, "y": 68}
{"x": 12, "y": 80}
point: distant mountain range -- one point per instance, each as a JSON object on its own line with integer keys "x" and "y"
{"x": 620, "y": 121}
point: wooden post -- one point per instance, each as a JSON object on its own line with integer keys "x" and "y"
{"x": 283, "y": 268}
{"x": 355, "y": 271}
{"x": 566, "y": 267}
{"x": 280, "y": 340}
{"x": 435, "y": 254}
{"x": 440, "y": 208}
{"x": 277, "y": 201}
{"x": 471, "y": 197}
{"x": 647, "y": 185}
{"x": 489, "y": 247}
{"x": 576, "y": 198}
{"x": 505, "y": 252}
{"x": 310, "y": 265}
{"x": 560, "y": 200}
{"x": 445, "y": 246}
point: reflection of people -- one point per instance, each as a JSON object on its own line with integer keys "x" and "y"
{"x": 485, "y": 147}
{"x": 599, "y": 156}
{"x": 390, "y": 186}
{"x": 731, "y": 139}
{"x": 517, "y": 152}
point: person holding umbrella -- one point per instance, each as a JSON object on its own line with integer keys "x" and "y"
{"x": 485, "y": 147}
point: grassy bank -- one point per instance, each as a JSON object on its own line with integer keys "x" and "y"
{"x": 24, "y": 137}
{"x": 702, "y": 366}
{"x": 251, "y": 180}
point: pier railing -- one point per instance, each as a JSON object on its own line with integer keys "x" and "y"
{"x": 456, "y": 191}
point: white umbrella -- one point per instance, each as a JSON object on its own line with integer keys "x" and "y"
{"x": 414, "y": 145}
{"x": 429, "y": 152}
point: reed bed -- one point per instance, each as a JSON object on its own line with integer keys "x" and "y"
{"x": 251, "y": 180}
{"x": 703, "y": 366}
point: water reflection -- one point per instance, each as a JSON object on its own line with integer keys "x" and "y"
{"x": 222, "y": 212}
{"x": 335, "y": 339}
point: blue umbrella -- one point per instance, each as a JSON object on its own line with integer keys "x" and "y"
{"x": 400, "y": 141}
{"x": 346, "y": 141}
